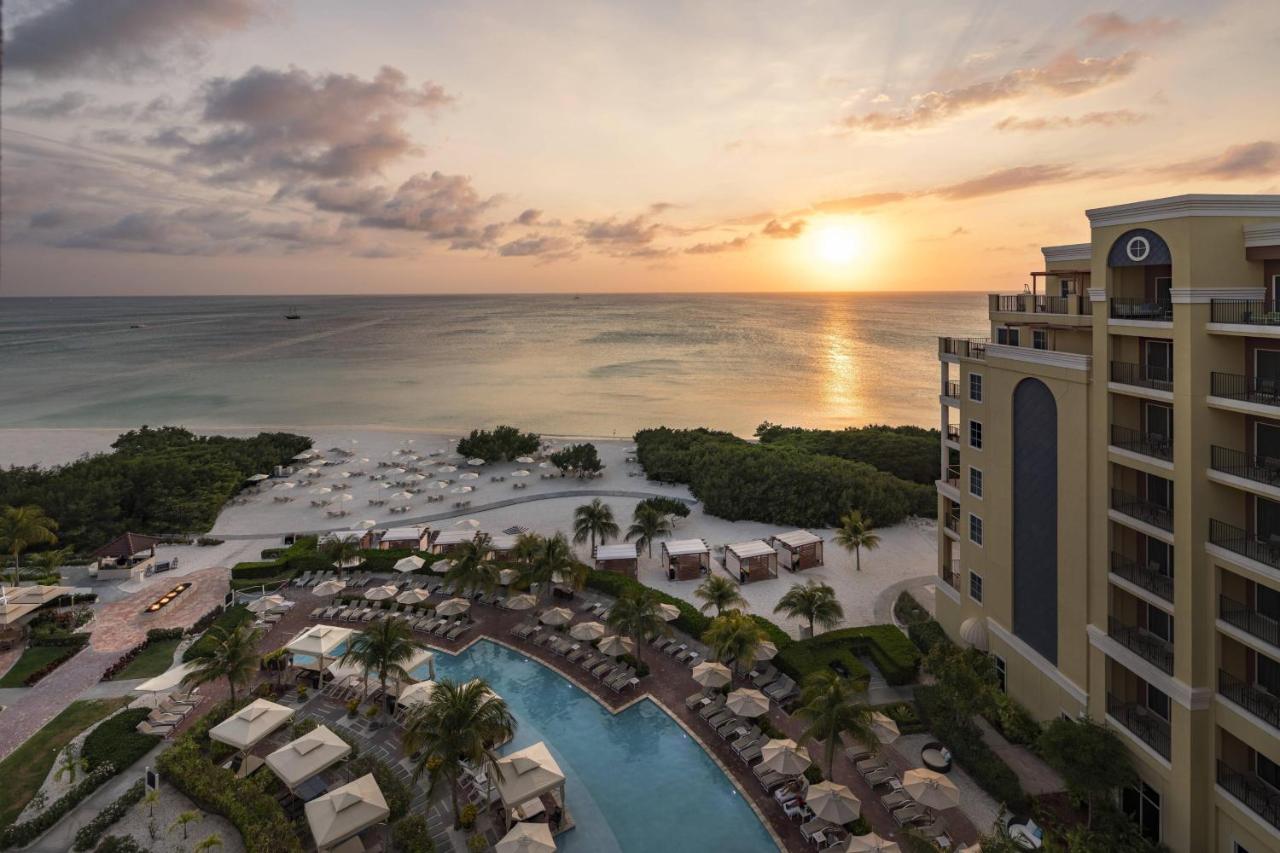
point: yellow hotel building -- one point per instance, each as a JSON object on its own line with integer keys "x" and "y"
{"x": 1109, "y": 504}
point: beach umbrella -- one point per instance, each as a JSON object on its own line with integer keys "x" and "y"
{"x": 364, "y": 458}
{"x": 524, "y": 460}
{"x": 345, "y": 497}
{"x": 258, "y": 478}
{"x": 409, "y": 564}
{"x": 413, "y": 596}
{"x": 833, "y": 801}
{"x": 386, "y": 485}
{"x": 441, "y": 566}
{"x": 380, "y": 593}
{"x": 557, "y": 616}
{"x": 746, "y": 702}
{"x": 475, "y": 463}
{"x": 467, "y": 522}
{"x": 669, "y": 612}
{"x": 545, "y": 465}
{"x": 415, "y": 693}
{"x": 469, "y": 475}
{"x": 287, "y": 484}
{"x": 521, "y": 473}
{"x": 448, "y": 469}
{"x": 589, "y": 631}
{"x": 613, "y": 645}
{"x": 266, "y": 603}
{"x": 783, "y": 756}
{"x": 766, "y": 651}
{"x": 872, "y": 843}
{"x": 345, "y": 474}
{"x": 400, "y": 496}
{"x": 303, "y": 456}
{"x": 321, "y": 490}
{"x": 461, "y": 490}
{"x": 520, "y": 602}
{"x": 884, "y": 728}
{"x": 712, "y": 674}
{"x": 930, "y": 789}
{"x": 415, "y": 478}
{"x": 327, "y": 588}
{"x": 167, "y": 680}
{"x": 507, "y": 576}
{"x": 310, "y": 472}
{"x": 367, "y": 523}
{"x": 453, "y": 607}
{"x": 526, "y": 837}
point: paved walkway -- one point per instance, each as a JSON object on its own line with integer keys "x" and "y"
{"x": 1037, "y": 778}
{"x": 889, "y": 596}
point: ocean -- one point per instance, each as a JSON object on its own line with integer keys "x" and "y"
{"x": 594, "y": 365}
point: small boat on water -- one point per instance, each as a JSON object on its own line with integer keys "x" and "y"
{"x": 293, "y": 315}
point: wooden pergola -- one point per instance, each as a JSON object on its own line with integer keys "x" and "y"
{"x": 686, "y": 559}
{"x": 798, "y": 550}
{"x": 751, "y": 561}
{"x": 623, "y": 559}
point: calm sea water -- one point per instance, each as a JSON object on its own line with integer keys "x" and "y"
{"x": 588, "y": 365}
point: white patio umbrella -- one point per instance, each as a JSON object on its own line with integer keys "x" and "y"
{"x": 746, "y": 702}
{"x": 872, "y": 843}
{"x": 467, "y": 522}
{"x": 345, "y": 497}
{"x": 167, "y": 680}
{"x": 613, "y": 645}
{"x": 468, "y": 475}
{"x": 461, "y": 490}
{"x": 453, "y": 607}
{"x": 448, "y": 469}
{"x": 520, "y": 602}
{"x": 833, "y": 801}
{"x": 380, "y": 593}
{"x": 327, "y": 588}
{"x": 415, "y": 478}
{"x": 415, "y": 693}
{"x": 409, "y": 564}
{"x": 396, "y": 471}
{"x": 303, "y": 456}
{"x": 310, "y": 471}
{"x": 368, "y": 523}
{"x": 475, "y": 463}
{"x": 287, "y": 484}
{"x": 258, "y": 478}
{"x": 266, "y": 603}
{"x": 557, "y": 616}
{"x": 884, "y": 728}
{"x": 930, "y": 789}
{"x": 524, "y": 460}
{"x": 321, "y": 490}
{"x": 712, "y": 674}
{"x": 589, "y": 631}
{"x": 545, "y": 465}
{"x": 526, "y": 837}
{"x": 402, "y": 496}
{"x": 783, "y": 756}
{"x": 440, "y": 567}
{"x": 438, "y": 484}
{"x": 520, "y": 473}
{"x": 669, "y": 612}
{"x": 413, "y": 596}
{"x": 508, "y": 576}
{"x": 766, "y": 651}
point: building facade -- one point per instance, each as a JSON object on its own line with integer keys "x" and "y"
{"x": 1109, "y": 504}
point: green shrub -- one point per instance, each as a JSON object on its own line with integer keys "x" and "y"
{"x": 503, "y": 444}
{"x": 892, "y": 653}
{"x": 926, "y": 635}
{"x": 87, "y": 836}
{"x": 116, "y": 740}
{"x": 411, "y": 835}
{"x": 119, "y": 844}
{"x": 909, "y": 611}
{"x": 909, "y": 452}
{"x": 228, "y": 621}
{"x": 691, "y": 621}
{"x": 156, "y": 635}
{"x": 666, "y": 506}
{"x": 22, "y": 834}
{"x": 904, "y": 714}
{"x": 970, "y": 751}
{"x": 802, "y": 659}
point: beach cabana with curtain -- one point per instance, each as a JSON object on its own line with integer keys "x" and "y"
{"x": 525, "y": 780}
{"x": 686, "y": 559}
{"x": 314, "y": 752}
{"x": 415, "y": 538}
{"x": 446, "y": 540}
{"x": 317, "y": 643}
{"x": 346, "y": 812}
{"x": 623, "y": 559}
{"x": 246, "y": 727}
{"x": 798, "y": 550}
{"x": 502, "y": 545}
{"x": 751, "y": 561}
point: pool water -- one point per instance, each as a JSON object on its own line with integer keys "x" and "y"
{"x": 635, "y": 781}
{"x": 310, "y": 660}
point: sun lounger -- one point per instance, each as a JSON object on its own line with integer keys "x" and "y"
{"x": 896, "y": 800}
{"x": 752, "y": 752}
{"x": 661, "y": 642}
{"x": 910, "y": 814}
{"x": 458, "y": 630}
{"x": 590, "y": 662}
{"x": 619, "y": 686}
{"x": 779, "y": 687}
{"x": 695, "y": 700}
{"x": 870, "y": 765}
{"x": 745, "y": 732}
{"x": 712, "y": 708}
{"x": 764, "y": 676}
{"x": 596, "y": 670}
{"x": 147, "y": 727}
{"x": 770, "y": 780}
{"x": 521, "y": 630}
{"x": 443, "y": 627}
{"x": 880, "y": 777}
{"x": 369, "y": 614}
{"x": 620, "y": 676}
{"x": 674, "y": 649}
{"x": 719, "y": 718}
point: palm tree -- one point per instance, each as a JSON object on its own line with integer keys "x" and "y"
{"x": 24, "y": 526}
{"x": 152, "y": 797}
{"x": 383, "y": 648}
{"x": 472, "y": 570}
{"x": 209, "y": 843}
{"x": 234, "y": 657}
{"x": 829, "y": 706}
{"x": 72, "y": 764}
{"x": 527, "y": 546}
{"x": 594, "y": 520}
{"x": 856, "y": 533}
{"x": 341, "y": 551}
{"x": 735, "y": 636}
{"x": 637, "y": 615}
{"x": 721, "y": 593}
{"x": 814, "y": 601}
{"x": 183, "y": 819}
{"x": 554, "y": 562}
{"x": 647, "y": 524}
{"x": 52, "y": 560}
{"x": 458, "y": 723}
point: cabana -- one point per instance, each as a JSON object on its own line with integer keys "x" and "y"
{"x": 352, "y": 672}
{"x": 362, "y": 538}
{"x": 250, "y": 724}
{"x": 751, "y": 561}
{"x": 414, "y": 538}
{"x": 18, "y": 603}
{"x": 130, "y": 556}
{"x": 522, "y": 780}
{"x": 798, "y": 550}
{"x": 502, "y": 545}
{"x": 345, "y": 812}
{"x": 314, "y": 752}
{"x": 686, "y": 559}
{"x": 446, "y": 540}
{"x": 623, "y": 559}
{"x": 316, "y": 643}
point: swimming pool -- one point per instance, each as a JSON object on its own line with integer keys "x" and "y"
{"x": 635, "y": 781}
{"x": 310, "y": 661}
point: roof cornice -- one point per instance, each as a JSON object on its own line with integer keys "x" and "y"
{"x": 1179, "y": 206}
{"x": 1072, "y": 252}
{"x": 1266, "y": 234}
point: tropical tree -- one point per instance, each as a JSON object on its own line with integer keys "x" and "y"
{"x": 553, "y": 562}
{"x": 71, "y": 764}
{"x": 592, "y": 521}
{"x": 383, "y": 649}
{"x": 735, "y": 636}
{"x": 814, "y": 601}
{"x": 965, "y": 678}
{"x": 829, "y": 706}
{"x": 458, "y": 724}
{"x": 527, "y": 546}
{"x": 721, "y": 593}
{"x": 855, "y": 533}
{"x": 472, "y": 570}
{"x": 1090, "y": 757}
{"x": 341, "y": 551}
{"x": 637, "y": 615}
{"x": 234, "y": 657}
{"x": 52, "y": 560}
{"x": 24, "y": 526}
{"x": 152, "y": 797}
{"x": 185, "y": 818}
{"x": 210, "y": 842}
{"x": 647, "y": 525}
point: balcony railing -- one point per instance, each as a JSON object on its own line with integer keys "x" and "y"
{"x": 964, "y": 347}
{"x": 1246, "y": 312}
{"x": 1143, "y": 643}
{"x": 1149, "y": 577}
{"x": 1249, "y": 620}
{"x": 1262, "y": 799}
{"x": 951, "y": 476}
{"x": 950, "y": 577}
{"x": 1142, "y": 375}
{"x": 1150, "y": 728}
{"x": 953, "y": 433}
{"x": 1255, "y": 700}
{"x": 952, "y": 522}
{"x": 1244, "y": 543}
{"x": 1142, "y": 509}
{"x": 1151, "y": 444}
{"x": 1031, "y": 303}
{"x": 1250, "y": 389}
{"x": 1260, "y": 469}
{"x": 1125, "y": 308}
{"x": 951, "y": 388}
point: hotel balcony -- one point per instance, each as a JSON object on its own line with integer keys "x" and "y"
{"x": 1129, "y": 309}
{"x": 951, "y": 476}
{"x": 953, "y": 433}
{"x": 1146, "y": 725}
{"x": 951, "y": 521}
{"x": 1035, "y": 303}
{"x": 1230, "y": 388}
{"x": 1148, "y": 577}
{"x": 951, "y": 388}
{"x": 953, "y": 349}
{"x": 1142, "y": 509}
{"x": 1152, "y": 444}
{"x": 1253, "y": 313}
{"x": 1240, "y": 615}
{"x": 1260, "y": 798}
{"x": 1142, "y": 375}
{"x": 1154, "y": 650}
{"x": 1244, "y": 543}
{"x": 1255, "y": 700}
{"x": 1236, "y": 463}
{"x": 951, "y": 577}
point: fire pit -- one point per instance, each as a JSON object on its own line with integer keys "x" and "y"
{"x": 163, "y": 601}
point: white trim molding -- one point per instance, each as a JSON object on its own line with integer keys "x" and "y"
{"x": 1097, "y": 294}
{"x": 1257, "y": 820}
{"x": 1046, "y": 357}
{"x": 1191, "y": 698}
{"x": 1205, "y": 295}
{"x": 947, "y": 590}
{"x": 1141, "y": 526}
{"x": 1179, "y": 206}
{"x": 1258, "y": 236}
{"x": 1132, "y": 457}
{"x": 1070, "y": 252}
{"x": 1039, "y": 662}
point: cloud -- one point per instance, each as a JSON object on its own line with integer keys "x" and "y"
{"x": 116, "y": 38}
{"x": 52, "y": 218}
{"x": 1250, "y": 160}
{"x": 1008, "y": 180}
{"x": 1064, "y": 75}
{"x": 201, "y": 231}
{"x": 856, "y": 203}
{"x": 62, "y": 106}
{"x": 528, "y": 217}
{"x": 778, "y": 231}
{"x": 535, "y": 245}
{"x": 290, "y": 125}
{"x": 1102, "y": 118}
{"x": 440, "y": 206}
{"x": 716, "y": 248}
{"x": 637, "y": 231}
{"x": 1113, "y": 25}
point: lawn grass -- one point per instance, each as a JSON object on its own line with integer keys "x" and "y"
{"x": 153, "y": 660}
{"x": 33, "y": 659}
{"x": 27, "y": 766}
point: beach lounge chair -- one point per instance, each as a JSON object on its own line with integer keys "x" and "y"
{"x": 315, "y": 614}
{"x": 443, "y": 627}
{"x": 521, "y": 630}
{"x": 674, "y": 649}
{"x": 763, "y": 677}
{"x": 780, "y": 688}
{"x": 857, "y": 752}
{"x": 147, "y": 727}
{"x": 602, "y": 667}
{"x": 770, "y": 780}
{"x": 369, "y": 614}
{"x": 695, "y": 700}
{"x": 661, "y": 642}
{"x": 719, "y": 718}
{"x": 870, "y": 765}
{"x": 895, "y": 800}
{"x": 458, "y": 630}
{"x": 909, "y": 814}
{"x": 619, "y": 686}
{"x": 880, "y": 777}
{"x": 620, "y": 678}
{"x": 752, "y": 751}
{"x": 744, "y": 732}
{"x": 712, "y": 708}
{"x": 590, "y": 662}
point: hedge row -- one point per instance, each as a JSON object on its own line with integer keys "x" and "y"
{"x": 297, "y": 560}
{"x": 68, "y": 640}
{"x": 970, "y": 751}
{"x": 691, "y": 620}
{"x": 88, "y": 835}
{"x": 22, "y": 834}
{"x": 227, "y": 621}
{"x": 117, "y": 741}
{"x": 889, "y": 649}
{"x": 803, "y": 658}
{"x": 120, "y": 844}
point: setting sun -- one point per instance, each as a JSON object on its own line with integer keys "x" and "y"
{"x": 838, "y": 243}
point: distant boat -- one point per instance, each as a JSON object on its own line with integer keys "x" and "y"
{"x": 293, "y": 315}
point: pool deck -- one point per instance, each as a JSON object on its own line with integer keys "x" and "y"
{"x": 668, "y": 685}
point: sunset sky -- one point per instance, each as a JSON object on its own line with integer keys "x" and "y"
{"x": 329, "y": 146}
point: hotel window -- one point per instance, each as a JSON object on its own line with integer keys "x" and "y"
{"x": 1266, "y": 520}
{"x": 1240, "y": 848}
{"x": 1007, "y": 336}
{"x": 975, "y": 481}
{"x": 975, "y": 434}
{"x": 1268, "y": 771}
{"x": 1158, "y": 702}
{"x": 975, "y": 387}
{"x": 975, "y": 529}
{"x": 1142, "y": 804}
{"x": 975, "y": 586}
{"x": 1274, "y": 293}
{"x": 1001, "y": 677}
{"x": 1039, "y": 339}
